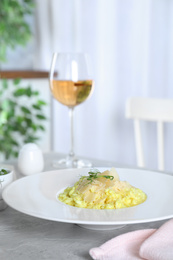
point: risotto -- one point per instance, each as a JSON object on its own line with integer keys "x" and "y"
{"x": 102, "y": 191}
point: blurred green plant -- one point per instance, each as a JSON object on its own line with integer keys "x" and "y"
{"x": 14, "y": 30}
{"x": 21, "y": 110}
{"x": 21, "y": 116}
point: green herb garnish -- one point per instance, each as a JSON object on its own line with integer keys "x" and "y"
{"x": 4, "y": 172}
{"x": 94, "y": 175}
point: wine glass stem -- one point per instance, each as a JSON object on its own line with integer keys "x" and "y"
{"x": 71, "y": 113}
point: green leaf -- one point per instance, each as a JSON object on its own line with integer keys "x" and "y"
{"x": 28, "y": 121}
{"x": 3, "y": 117}
{"x": 31, "y": 139}
{"x": 41, "y": 103}
{"x": 19, "y": 92}
{"x": 16, "y": 81}
{"x": 94, "y": 175}
{"x": 3, "y": 172}
{"x": 12, "y": 104}
{"x": 36, "y": 93}
{"x": 4, "y": 83}
{"x": 41, "y": 117}
{"x": 15, "y": 153}
{"x": 29, "y": 92}
{"x": 41, "y": 127}
{"x": 37, "y": 107}
{"x": 25, "y": 110}
{"x": 19, "y": 119}
{"x": 5, "y": 104}
{"x": 14, "y": 143}
{"x": 34, "y": 127}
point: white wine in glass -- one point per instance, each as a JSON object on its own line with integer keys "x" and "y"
{"x": 71, "y": 84}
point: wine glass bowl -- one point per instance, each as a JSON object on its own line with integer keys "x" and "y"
{"x": 71, "y": 84}
{"x": 70, "y": 93}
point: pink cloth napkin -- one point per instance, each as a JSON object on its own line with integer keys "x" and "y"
{"x": 147, "y": 244}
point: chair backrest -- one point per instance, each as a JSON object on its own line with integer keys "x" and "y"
{"x": 149, "y": 109}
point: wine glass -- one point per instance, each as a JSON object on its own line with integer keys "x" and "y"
{"x": 71, "y": 84}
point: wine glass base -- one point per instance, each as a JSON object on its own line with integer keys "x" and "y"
{"x": 72, "y": 163}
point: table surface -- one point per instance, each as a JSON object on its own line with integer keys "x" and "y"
{"x": 26, "y": 237}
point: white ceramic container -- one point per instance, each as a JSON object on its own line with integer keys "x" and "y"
{"x": 30, "y": 159}
{"x": 5, "y": 180}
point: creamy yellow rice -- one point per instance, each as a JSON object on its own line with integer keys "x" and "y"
{"x": 102, "y": 193}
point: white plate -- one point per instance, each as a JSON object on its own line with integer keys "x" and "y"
{"x": 36, "y": 195}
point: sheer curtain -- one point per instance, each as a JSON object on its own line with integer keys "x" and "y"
{"x": 130, "y": 43}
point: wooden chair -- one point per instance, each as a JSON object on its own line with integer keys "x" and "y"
{"x": 149, "y": 109}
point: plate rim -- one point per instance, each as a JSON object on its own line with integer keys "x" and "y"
{"x": 83, "y": 222}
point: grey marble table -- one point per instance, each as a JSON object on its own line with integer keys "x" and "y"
{"x": 25, "y": 237}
